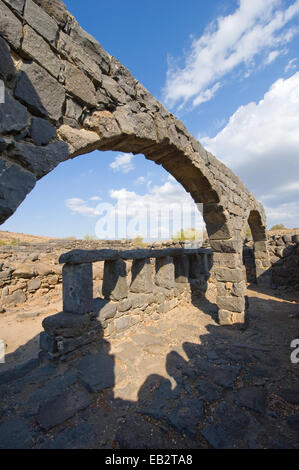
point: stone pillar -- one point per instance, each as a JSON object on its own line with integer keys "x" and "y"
{"x": 262, "y": 264}
{"x": 142, "y": 281}
{"x": 230, "y": 275}
{"x": 205, "y": 263}
{"x": 182, "y": 267}
{"x": 77, "y": 288}
{"x": 115, "y": 285}
{"x": 165, "y": 272}
{"x": 195, "y": 266}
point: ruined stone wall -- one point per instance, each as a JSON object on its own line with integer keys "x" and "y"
{"x": 158, "y": 281}
{"x": 29, "y": 271}
{"x": 66, "y": 96}
{"x": 284, "y": 258}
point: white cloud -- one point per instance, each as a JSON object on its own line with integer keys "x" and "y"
{"x": 78, "y": 206}
{"x": 123, "y": 163}
{"x": 95, "y": 198}
{"x": 140, "y": 180}
{"x": 261, "y": 144}
{"x": 290, "y": 65}
{"x": 256, "y": 28}
{"x": 160, "y": 213}
{"x": 272, "y": 56}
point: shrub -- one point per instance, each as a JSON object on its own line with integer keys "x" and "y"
{"x": 278, "y": 227}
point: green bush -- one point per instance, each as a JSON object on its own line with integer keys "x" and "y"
{"x": 278, "y": 227}
{"x": 189, "y": 234}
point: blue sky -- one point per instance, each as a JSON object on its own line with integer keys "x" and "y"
{"x": 227, "y": 69}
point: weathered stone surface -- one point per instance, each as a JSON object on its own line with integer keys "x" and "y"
{"x": 234, "y": 304}
{"x": 165, "y": 272}
{"x": 41, "y": 131}
{"x": 10, "y": 26}
{"x": 77, "y": 288}
{"x": 38, "y": 19}
{"x": 7, "y": 70}
{"x": 63, "y": 407}
{"x": 18, "y": 297}
{"x": 230, "y": 318}
{"x": 141, "y": 276}
{"x": 72, "y": 51}
{"x": 96, "y": 371}
{"x": 25, "y": 271}
{"x": 105, "y": 310}
{"x": 13, "y": 115}
{"x": 40, "y": 91}
{"x": 41, "y": 160}
{"x": 92, "y": 48}
{"x": 252, "y": 398}
{"x": 15, "y": 183}
{"x": 15, "y": 434}
{"x": 17, "y": 5}
{"x": 38, "y": 49}
{"x": 182, "y": 267}
{"x": 195, "y": 266}
{"x": 65, "y": 324}
{"x": 88, "y": 256}
{"x": 54, "y": 8}
{"x": 115, "y": 282}
{"x": 79, "y": 85}
{"x": 76, "y": 139}
{"x": 43, "y": 269}
{"x": 3, "y": 145}
{"x": 229, "y": 275}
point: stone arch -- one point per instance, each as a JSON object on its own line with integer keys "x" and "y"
{"x": 259, "y": 235}
{"x": 66, "y": 96}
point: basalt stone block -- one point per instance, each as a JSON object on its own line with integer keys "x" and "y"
{"x": 48, "y": 343}
{"x": 7, "y": 70}
{"x": 195, "y": 266}
{"x": 37, "y": 48}
{"x": 55, "y": 8}
{"x": 13, "y": 115}
{"x": 141, "y": 276}
{"x": 230, "y": 318}
{"x": 115, "y": 281}
{"x": 41, "y": 160}
{"x": 15, "y": 184}
{"x": 3, "y": 145}
{"x": 88, "y": 256}
{"x": 90, "y": 45}
{"x": 79, "y": 85}
{"x": 64, "y": 324}
{"x": 72, "y": 51}
{"x": 40, "y": 91}
{"x": 17, "y": 5}
{"x": 38, "y": 19}
{"x": 233, "y": 304}
{"x": 77, "y": 288}
{"x": 64, "y": 406}
{"x": 229, "y": 275}
{"x": 182, "y": 267}
{"x": 10, "y": 27}
{"x": 41, "y": 131}
{"x": 104, "y": 310}
{"x": 165, "y": 272}
{"x": 15, "y": 434}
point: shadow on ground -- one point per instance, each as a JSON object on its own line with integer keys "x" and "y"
{"x": 232, "y": 389}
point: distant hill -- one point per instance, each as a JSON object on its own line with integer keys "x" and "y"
{"x": 15, "y": 238}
